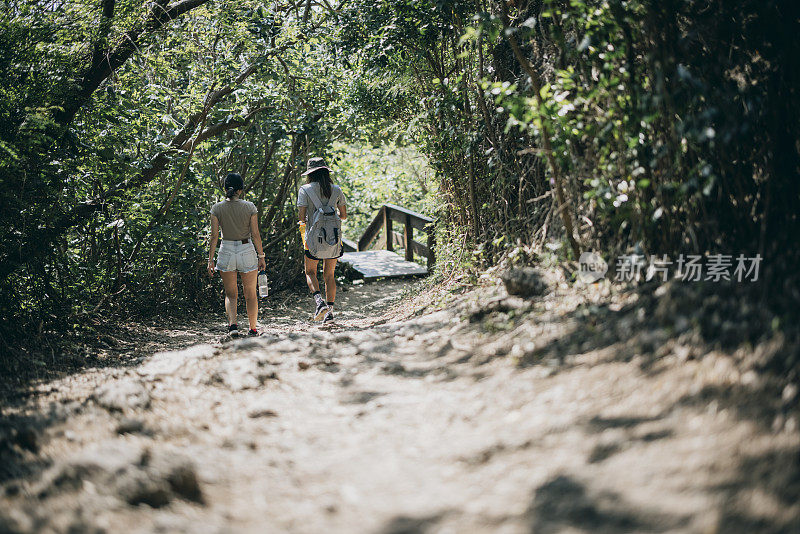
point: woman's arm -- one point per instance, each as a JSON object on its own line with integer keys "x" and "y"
{"x": 342, "y": 212}
{"x": 301, "y": 214}
{"x": 214, "y": 241}
{"x": 256, "y": 235}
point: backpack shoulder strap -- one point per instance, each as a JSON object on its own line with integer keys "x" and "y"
{"x": 312, "y": 195}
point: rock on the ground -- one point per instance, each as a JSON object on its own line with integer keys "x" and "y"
{"x": 261, "y": 411}
{"x": 524, "y": 282}
{"x": 100, "y": 461}
{"x": 183, "y": 481}
{"x": 137, "y": 486}
{"x": 180, "y": 474}
{"x": 27, "y": 438}
{"x": 242, "y": 373}
{"x": 130, "y": 425}
{"x": 129, "y": 472}
{"x": 122, "y": 395}
{"x": 167, "y": 363}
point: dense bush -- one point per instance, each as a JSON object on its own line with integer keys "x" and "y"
{"x": 666, "y": 126}
{"x": 673, "y": 126}
{"x": 117, "y": 123}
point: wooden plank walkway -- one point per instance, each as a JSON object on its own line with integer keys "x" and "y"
{"x": 374, "y": 264}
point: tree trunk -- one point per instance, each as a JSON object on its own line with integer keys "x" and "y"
{"x": 281, "y": 195}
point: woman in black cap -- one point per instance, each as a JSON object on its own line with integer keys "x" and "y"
{"x": 319, "y": 187}
{"x": 240, "y": 250}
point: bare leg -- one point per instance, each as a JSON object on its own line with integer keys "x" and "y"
{"x": 311, "y": 274}
{"x": 231, "y": 295}
{"x": 328, "y": 267}
{"x": 250, "y": 297}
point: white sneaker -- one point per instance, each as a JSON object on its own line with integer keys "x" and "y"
{"x": 322, "y": 309}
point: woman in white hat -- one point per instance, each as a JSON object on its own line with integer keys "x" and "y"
{"x": 319, "y": 185}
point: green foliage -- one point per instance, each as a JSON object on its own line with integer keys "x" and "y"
{"x": 673, "y": 126}
{"x": 672, "y": 123}
{"x": 86, "y": 217}
{"x": 668, "y": 133}
{"x": 371, "y": 176}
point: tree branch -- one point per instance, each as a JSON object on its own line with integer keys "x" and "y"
{"x": 536, "y": 85}
{"x": 267, "y": 159}
{"x": 168, "y": 203}
{"x": 106, "y": 62}
{"x": 277, "y": 203}
{"x": 282, "y": 236}
{"x": 181, "y": 141}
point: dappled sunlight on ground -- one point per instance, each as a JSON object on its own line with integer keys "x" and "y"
{"x": 472, "y": 412}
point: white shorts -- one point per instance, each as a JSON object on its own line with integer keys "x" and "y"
{"x": 237, "y": 256}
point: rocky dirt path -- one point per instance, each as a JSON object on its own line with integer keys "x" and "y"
{"x": 575, "y": 411}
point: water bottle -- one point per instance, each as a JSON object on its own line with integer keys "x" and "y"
{"x": 263, "y": 285}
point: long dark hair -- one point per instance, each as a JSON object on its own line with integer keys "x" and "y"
{"x": 233, "y": 183}
{"x": 323, "y": 178}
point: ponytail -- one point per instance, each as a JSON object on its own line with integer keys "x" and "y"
{"x": 233, "y": 183}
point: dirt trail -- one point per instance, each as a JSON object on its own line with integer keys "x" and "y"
{"x": 571, "y": 412}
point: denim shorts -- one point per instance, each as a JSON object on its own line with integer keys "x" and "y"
{"x": 237, "y": 256}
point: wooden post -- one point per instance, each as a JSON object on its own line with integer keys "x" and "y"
{"x": 387, "y": 229}
{"x": 431, "y": 243}
{"x": 408, "y": 238}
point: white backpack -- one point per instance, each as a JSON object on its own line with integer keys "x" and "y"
{"x": 324, "y": 232}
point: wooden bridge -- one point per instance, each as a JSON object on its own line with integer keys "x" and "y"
{"x": 374, "y": 257}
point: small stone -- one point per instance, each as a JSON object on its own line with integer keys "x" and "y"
{"x": 303, "y": 365}
{"x": 138, "y": 487}
{"x": 778, "y": 423}
{"x": 791, "y": 425}
{"x": 750, "y": 378}
{"x": 130, "y": 426}
{"x": 12, "y": 490}
{"x": 28, "y": 439}
{"x": 182, "y": 479}
{"x": 393, "y": 368}
{"x": 524, "y": 282}
{"x": 255, "y": 413}
{"x": 246, "y": 344}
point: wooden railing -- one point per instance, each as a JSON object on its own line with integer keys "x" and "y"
{"x": 389, "y": 239}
